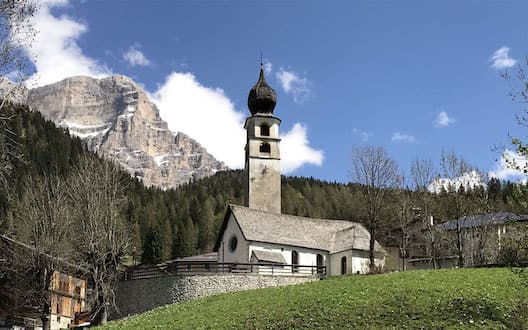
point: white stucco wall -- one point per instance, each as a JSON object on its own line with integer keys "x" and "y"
{"x": 356, "y": 261}
{"x": 59, "y": 322}
{"x": 307, "y": 257}
{"x": 240, "y": 254}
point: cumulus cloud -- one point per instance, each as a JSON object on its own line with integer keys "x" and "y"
{"x": 501, "y": 59}
{"x": 299, "y": 88}
{"x": 296, "y": 150}
{"x": 504, "y": 171}
{"x": 208, "y": 115}
{"x": 55, "y": 52}
{"x": 443, "y": 120}
{"x": 135, "y": 57}
{"x": 205, "y": 114}
{"x": 364, "y": 136}
{"x": 402, "y": 137}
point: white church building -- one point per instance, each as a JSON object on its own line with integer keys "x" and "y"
{"x": 259, "y": 234}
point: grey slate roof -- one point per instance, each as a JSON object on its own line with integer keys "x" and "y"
{"x": 268, "y": 256}
{"x": 320, "y": 234}
{"x": 481, "y": 220}
{"x": 206, "y": 257}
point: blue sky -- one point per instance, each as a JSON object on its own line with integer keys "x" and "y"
{"x": 412, "y": 76}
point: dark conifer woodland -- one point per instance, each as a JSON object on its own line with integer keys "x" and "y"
{"x": 168, "y": 224}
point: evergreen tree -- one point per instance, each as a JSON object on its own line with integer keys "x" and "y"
{"x": 152, "y": 246}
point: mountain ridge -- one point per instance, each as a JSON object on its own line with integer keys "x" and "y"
{"x": 116, "y": 118}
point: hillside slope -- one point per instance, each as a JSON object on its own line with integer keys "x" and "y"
{"x": 442, "y": 299}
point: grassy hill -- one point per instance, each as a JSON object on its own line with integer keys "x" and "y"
{"x": 442, "y": 299}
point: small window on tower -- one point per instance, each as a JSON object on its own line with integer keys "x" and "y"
{"x": 265, "y": 147}
{"x": 264, "y": 130}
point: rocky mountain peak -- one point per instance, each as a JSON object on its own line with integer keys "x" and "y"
{"x": 12, "y": 92}
{"x": 115, "y": 118}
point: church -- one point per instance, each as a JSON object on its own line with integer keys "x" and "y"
{"x": 258, "y": 233}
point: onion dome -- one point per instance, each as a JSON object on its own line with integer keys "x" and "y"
{"x": 262, "y": 98}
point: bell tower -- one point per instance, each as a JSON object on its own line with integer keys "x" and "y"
{"x": 262, "y": 149}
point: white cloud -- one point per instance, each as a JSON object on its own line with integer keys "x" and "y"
{"x": 55, "y": 52}
{"x": 208, "y": 115}
{"x": 467, "y": 180}
{"x": 443, "y": 120}
{"x": 296, "y": 150}
{"x": 504, "y": 171}
{"x": 299, "y": 88}
{"x": 365, "y": 136}
{"x": 135, "y": 57}
{"x": 402, "y": 137}
{"x": 205, "y": 114}
{"x": 268, "y": 67}
{"x": 501, "y": 59}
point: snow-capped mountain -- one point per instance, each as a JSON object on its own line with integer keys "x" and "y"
{"x": 467, "y": 180}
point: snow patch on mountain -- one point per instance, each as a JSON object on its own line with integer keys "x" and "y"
{"x": 469, "y": 180}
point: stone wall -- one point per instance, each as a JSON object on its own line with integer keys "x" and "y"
{"x": 137, "y": 296}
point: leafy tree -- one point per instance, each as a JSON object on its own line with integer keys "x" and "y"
{"x": 422, "y": 173}
{"x": 44, "y": 221}
{"x": 97, "y": 192}
{"x": 16, "y": 34}
{"x": 455, "y": 197}
{"x": 378, "y": 173}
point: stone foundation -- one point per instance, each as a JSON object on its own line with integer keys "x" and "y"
{"x": 137, "y": 296}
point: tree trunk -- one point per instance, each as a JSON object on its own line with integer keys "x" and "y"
{"x": 403, "y": 251}
{"x": 104, "y": 315}
{"x": 433, "y": 253}
{"x": 371, "y": 253}
{"x": 45, "y": 322}
{"x": 460, "y": 245}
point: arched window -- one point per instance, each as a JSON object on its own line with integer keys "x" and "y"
{"x": 264, "y": 130}
{"x": 295, "y": 261}
{"x": 233, "y": 242}
{"x": 265, "y": 148}
{"x": 343, "y": 266}
{"x": 320, "y": 264}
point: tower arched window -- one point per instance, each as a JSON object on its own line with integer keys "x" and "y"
{"x": 343, "y": 266}
{"x": 295, "y": 261}
{"x": 265, "y": 148}
{"x": 264, "y": 130}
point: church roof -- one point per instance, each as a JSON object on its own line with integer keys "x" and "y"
{"x": 320, "y": 234}
{"x": 483, "y": 220}
{"x": 268, "y": 256}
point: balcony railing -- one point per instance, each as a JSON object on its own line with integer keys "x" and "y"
{"x": 201, "y": 268}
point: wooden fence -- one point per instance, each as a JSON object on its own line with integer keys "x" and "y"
{"x": 203, "y": 268}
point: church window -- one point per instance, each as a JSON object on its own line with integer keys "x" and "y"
{"x": 233, "y": 242}
{"x": 319, "y": 264}
{"x": 295, "y": 261}
{"x": 264, "y": 130}
{"x": 265, "y": 148}
{"x": 343, "y": 266}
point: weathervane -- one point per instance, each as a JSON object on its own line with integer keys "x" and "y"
{"x": 261, "y": 64}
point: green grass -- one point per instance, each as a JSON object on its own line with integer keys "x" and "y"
{"x": 442, "y": 299}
